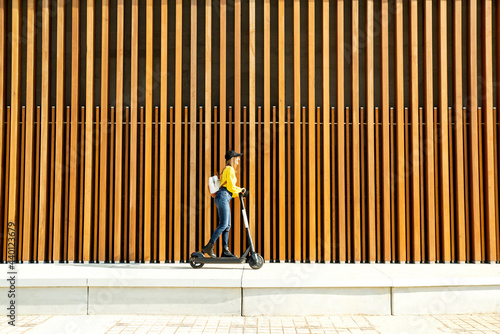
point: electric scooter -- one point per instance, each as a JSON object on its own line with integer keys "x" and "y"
{"x": 254, "y": 259}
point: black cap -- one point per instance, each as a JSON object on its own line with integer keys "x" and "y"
{"x": 232, "y": 154}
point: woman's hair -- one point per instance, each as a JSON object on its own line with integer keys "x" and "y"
{"x": 230, "y": 162}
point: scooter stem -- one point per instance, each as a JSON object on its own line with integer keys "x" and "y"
{"x": 244, "y": 213}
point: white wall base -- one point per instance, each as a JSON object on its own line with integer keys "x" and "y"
{"x": 446, "y": 300}
{"x": 172, "y": 301}
{"x": 316, "y": 301}
{"x": 47, "y": 300}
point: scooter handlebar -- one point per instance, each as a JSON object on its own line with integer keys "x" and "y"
{"x": 244, "y": 195}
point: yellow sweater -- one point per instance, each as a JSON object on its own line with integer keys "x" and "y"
{"x": 229, "y": 177}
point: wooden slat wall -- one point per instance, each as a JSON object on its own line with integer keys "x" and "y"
{"x": 125, "y": 180}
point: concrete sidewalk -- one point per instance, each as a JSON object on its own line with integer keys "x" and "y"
{"x": 487, "y": 323}
{"x": 278, "y": 289}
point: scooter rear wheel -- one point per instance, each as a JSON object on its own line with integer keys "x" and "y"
{"x": 256, "y": 264}
{"x": 195, "y": 264}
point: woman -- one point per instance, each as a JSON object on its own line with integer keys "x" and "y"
{"x": 227, "y": 191}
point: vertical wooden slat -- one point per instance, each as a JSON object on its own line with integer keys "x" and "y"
{"x": 44, "y": 130}
{"x": 333, "y": 188}
{"x": 386, "y": 160}
{"x": 370, "y": 133}
{"x": 341, "y": 131}
{"x": 452, "y": 160}
{"x": 259, "y": 190}
{"x": 400, "y": 133}
{"x": 443, "y": 109}
{"x": 208, "y": 108}
{"x": 474, "y": 124}
{"x": 192, "y": 118}
{"x": 37, "y": 185}
{"x": 52, "y": 123}
{"x": 274, "y": 184}
{"x": 95, "y": 185}
{"x": 117, "y": 254}
{"x": 304, "y": 185}
{"x": 178, "y": 137}
{"x": 436, "y": 130}
{"x": 311, "y": 80}
{"x": 3, "y": 131}
{"x": 319, "y": 245}
{"x": 3, "y": 170}
{"x": 243, "y": 165}
{"x": 171, "y": 177}
{"x": 378, "y": 194}
{"x": 348, "y": 140}
{"x": 126, "y": 198}
{"x": 104, "y": 114}
{"x": 327, "y": 221}
{"x": 392, "y": 140}
{"x": 251, "y": 119}
{"x": 82, "y": 182}
{"x": 201, "y": 202}
{"x": 289, "y": 183}
{"x": 497, "y": 176}
{"x": 214, "y": 170}
{"x": 237, "y": 108}
{"x": 267, "y": 134}
{"x": 30, "y": 116}
{"x": 223, "y": 80}
{"x": 281, "y": 127}
{"x": 163, "y": 120}
{"x": 133, "y": 129}
{"x": 355, "y": 134}
{"x": 487, "y": 82}
{"x": 415, "y": 150}
{"x": 112, "y": 196}
{"x": 467, "y": 174}
{"x": 408, "y": 229}
{"x": 140, "y": 255}
{"x": 184, "y": 254}
{"x": 206, "y": 200}
{"x": 89, "y": 130}
{"x": 429, "y": 119}
{"x": 148, "y": 131}
{"x": 363, "y": 179}
{"x": 75, "y": 55}
{"x": 423, "y": 225}
{"x": 20, "y": 191}
{"x": 6, "y": 186}
{"x": 459, "y": 134}
{"x": 155, "y": 195}
{"x": 58, "y": 193}
{"x": 16, "y": 111}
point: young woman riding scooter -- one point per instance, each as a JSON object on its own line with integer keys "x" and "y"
{"x": 227, "y": 191}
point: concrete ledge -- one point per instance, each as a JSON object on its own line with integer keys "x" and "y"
{"x": 276, "y": 289}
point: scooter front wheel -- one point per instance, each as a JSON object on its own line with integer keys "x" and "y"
{"x": 256, "y": 261}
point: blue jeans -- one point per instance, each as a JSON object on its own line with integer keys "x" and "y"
{"x": 224, "y": 211}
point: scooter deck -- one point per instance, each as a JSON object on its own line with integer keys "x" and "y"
{"x": 221, "y": 260}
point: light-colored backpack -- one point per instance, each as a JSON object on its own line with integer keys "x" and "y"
{"x": 214, "y": 184}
